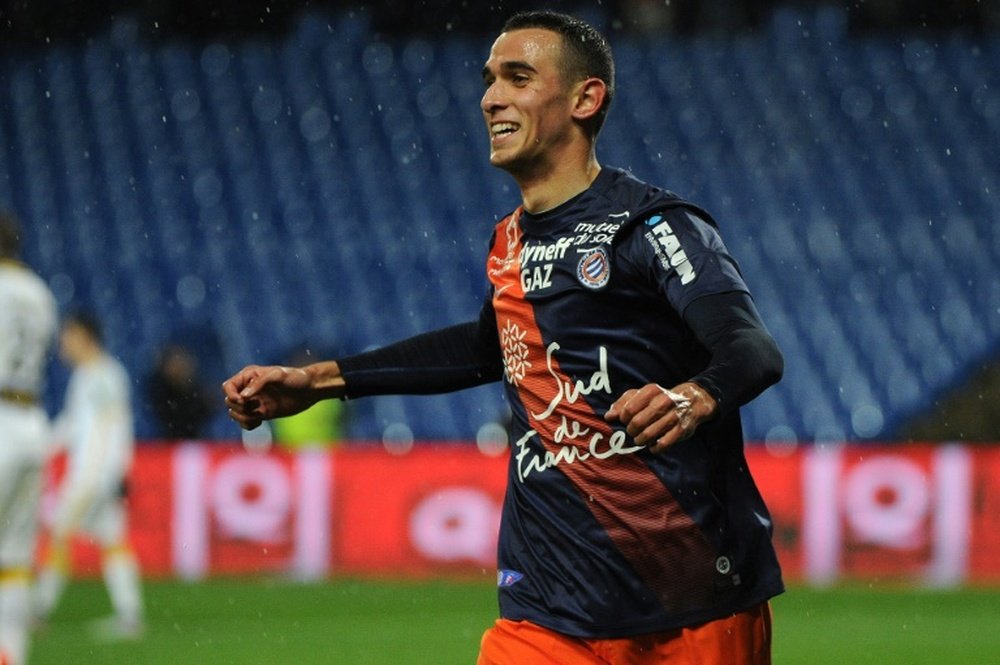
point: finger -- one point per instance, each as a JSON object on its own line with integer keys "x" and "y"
{"x": 656, "y": 430}
{"x": 682, "y": 429}
{"x": 231, "y": 389}
{"x": 237, "y": 383}
{"x": 650, "y": 423}
{"x": 648, "y": 397}
{"x": 254, "y": 381}
{"x": 646, "y": 406}
{"x": 614, "y": 412}
{"x": 260, "y": 378}
{"x": 247, "y": 408}
{"x": 676, "y": 434}
{"x": 246, "y": 421}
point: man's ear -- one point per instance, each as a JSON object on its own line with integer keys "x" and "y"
{"x": 588, "y": 98}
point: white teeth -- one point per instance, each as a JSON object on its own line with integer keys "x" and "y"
{"x": 502, "y": 128}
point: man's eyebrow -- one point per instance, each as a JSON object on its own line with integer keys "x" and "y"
{"x": 511, "y": 66}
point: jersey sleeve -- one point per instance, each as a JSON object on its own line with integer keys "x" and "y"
{"x": 682, "y": 256}
{"x": 745, "y": 358}
{"x": 444, "y": 360}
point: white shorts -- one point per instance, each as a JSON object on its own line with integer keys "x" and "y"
{"x": 94, "y": 511}
{"x": 24, "y": 432}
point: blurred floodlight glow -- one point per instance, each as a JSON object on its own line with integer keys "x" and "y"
{"x": 190, "y": 291}
{"x": 398, "y": 438}
{"x": 63, "y": 288}
{"x": 215, "y": 59}
{"x": 315, "y": 124}
{"x": 867, "y": 420}
{"x": 492, "y": 439}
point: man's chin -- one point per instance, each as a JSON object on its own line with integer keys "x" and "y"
{"x": 504, "y": 162}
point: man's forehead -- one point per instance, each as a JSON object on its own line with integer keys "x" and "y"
{"x": 524, "y": 44}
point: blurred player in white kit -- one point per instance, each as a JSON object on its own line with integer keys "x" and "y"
{"x": 28, "y": 323}
{"x": 96, "y": 425}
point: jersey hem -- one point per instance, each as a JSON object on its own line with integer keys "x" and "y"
{"x": 633, "y": 629}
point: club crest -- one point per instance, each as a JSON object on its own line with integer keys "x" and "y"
{"x": 594, "y": 268}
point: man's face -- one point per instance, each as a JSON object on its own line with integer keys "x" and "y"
{"x": 72, "y": 341}
{"x": 527, "y": 104}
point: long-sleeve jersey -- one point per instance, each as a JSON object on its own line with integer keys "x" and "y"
{"x": 619, "y": 287}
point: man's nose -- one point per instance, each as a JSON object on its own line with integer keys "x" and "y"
{"x": 492, "y": 99}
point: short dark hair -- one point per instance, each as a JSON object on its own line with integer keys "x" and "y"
{"x": 10, "y": 236}
{"x": 87, "y": 322}
{"x": 586, "y": 53}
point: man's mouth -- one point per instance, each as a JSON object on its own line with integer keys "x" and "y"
{"x": 499, "y": 130}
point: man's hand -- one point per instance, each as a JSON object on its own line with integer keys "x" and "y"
{"x": 256, "y": 393}
{"x": 657, "y": 417}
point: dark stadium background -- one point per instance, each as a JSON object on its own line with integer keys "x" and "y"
{"x": 246, "y": 177}
{"x": 249, "y": 177}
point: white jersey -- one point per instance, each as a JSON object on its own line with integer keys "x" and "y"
{"x": 28, "y": 321}
{"x": 96, "y": 424}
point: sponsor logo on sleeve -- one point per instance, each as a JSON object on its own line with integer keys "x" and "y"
{"x": 668, "y": 249}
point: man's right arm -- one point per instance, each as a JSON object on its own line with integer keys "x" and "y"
{"x": 445, "y": 360}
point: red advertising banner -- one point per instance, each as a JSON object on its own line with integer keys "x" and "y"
{"x": 889, "y": 512}
{"x": 431, "y": 510}
{"x": 923, "y": 513}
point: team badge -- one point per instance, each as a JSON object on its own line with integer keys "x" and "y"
{"x": 594, "y": 268}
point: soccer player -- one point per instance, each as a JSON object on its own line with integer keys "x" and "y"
{"x": 97, "y": 427}
{"x": 626, "y": 340}
{"x": 28, "y": 323}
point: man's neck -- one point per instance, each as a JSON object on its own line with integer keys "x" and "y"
{"x": 90, "y": 356}
{"x": 556, "y": 185}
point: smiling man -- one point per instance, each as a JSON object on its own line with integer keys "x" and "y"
{"x": 626, "y": 340}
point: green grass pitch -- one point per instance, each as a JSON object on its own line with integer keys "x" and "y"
{"x": 272, "y": 622}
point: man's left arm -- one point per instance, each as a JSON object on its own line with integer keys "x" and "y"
{"x": 745, "y": 360}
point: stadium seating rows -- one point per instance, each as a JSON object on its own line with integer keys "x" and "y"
{"x": 332, "y": 186}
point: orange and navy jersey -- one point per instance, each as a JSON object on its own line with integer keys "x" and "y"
{"x": 599, "y": 537}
